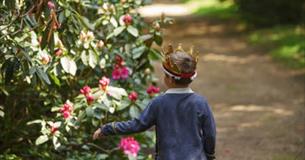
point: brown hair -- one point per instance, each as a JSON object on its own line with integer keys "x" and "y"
{"x": 185, "y": 63}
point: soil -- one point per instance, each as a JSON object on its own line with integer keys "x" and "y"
{"x": 258, "y": 103}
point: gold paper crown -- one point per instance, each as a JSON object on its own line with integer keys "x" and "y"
{"x": 172, "y": 67}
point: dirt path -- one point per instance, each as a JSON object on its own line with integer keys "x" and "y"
{"x": 258, "y": 103}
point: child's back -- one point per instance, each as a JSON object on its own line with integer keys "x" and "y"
{"x": 184, "y": 126}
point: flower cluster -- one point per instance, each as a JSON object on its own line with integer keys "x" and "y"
{"x": 104, "y": 82}
{"x": 129, "y": 146}
{"x": 133, "y": 96}
{"x": 120, "y": 71}
{"x": 86, "y": 91}
{"x": 66, "y": 110}
{"x": 151, "y": 90}
{"x": 86, "y": 36}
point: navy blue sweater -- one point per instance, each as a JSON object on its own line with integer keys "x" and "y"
{"x": 185, "y": 126}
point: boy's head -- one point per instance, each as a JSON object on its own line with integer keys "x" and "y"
{"x": 179, "y": 67}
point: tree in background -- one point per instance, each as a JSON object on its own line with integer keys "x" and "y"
{"x": 70, "y": 65}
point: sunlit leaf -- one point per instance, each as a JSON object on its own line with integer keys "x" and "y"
{"x": 68, "y": 65}
{"x": 41, "y": 139}
{"x": 133, "y": 31}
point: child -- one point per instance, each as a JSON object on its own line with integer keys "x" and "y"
{"x": 185, "y": 126}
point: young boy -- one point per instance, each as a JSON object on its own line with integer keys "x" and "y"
{"x": 185, "y": 126}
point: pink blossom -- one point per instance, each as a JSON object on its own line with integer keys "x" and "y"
{"x": 104, "y": 82}
{"x": 85, "y": 90}
{"x": 66, "y": 107}
{"x": 127, "y": 19}
{"x": 45, "y": 59}
{"x": 53, "y": 129}
{"x": 151, "y": 90}
{"x": 66, "y": 114}
{"x": 129, "y": 146}
{"x": 90, "y": 99}
{"x": 66, "y": 110}
{"x": 124, "y": 72}
{"x": 133, "y": 96}
{"x": 51, "y": 5}
{"x": 116, "y": 73}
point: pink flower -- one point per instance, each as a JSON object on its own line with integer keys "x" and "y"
{"x": 90, "y": 99}
{"x": 129, "y": 146}
{"x": 104, "y": 82}
{"x": 51, "y": 5}
{"x": 151, "y": 90}
{"x": 53, "y": 129}
{"x": 124, "y": 72}
{"x": 85, "y": 90}
{"x": 66, "y": 107}
{"x": 127, "y": 19}
{"x": 116, "y": 73}
{"x": 45, "y": 59}
{"x": 133, "y": 96}
{"x": 66, "y": 114}
{"x": 66, "y": 110}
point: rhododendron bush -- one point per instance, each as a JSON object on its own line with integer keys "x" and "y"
{"x": 68, "y": 66}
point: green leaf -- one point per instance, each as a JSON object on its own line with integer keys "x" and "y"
{"x": 133, "y": 31}
{"x": 43, "y": 76}
{"x": 137, "y": 52}
{"x": 146, "y": 37}
{"x": 118, "y": 30}
{"x": 41, "y": 139}
{"x": 68, "y": 65}
{"x": 116, "y": 92}
{"x": 89, "y": 112}
{"x": 134, "y": 112}
{"x": 158, "y": 38}
{"x": 113, "y": 22}
{"x": 84, "y": 58}
{"x": 154, "y": 55}
{"x": 1, "y": 113}
{"x": 101, "y": 156}
{"x": 55, "y": 80}
{"x": 34, "y": 122}
{"x": 92, "y": 59}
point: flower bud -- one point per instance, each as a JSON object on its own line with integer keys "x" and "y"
{"x": 89, "y": 99}
{"x": 51, "y": 5}
{"x": 45, "y": 59}
{"x": 127, "y": 19}
{"x": 58, "y": 52}
{"x": 133, "y": 96}
{"x": 100, "y": 44}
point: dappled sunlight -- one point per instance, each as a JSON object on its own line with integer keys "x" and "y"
{"x": 228, "y": 59}
{"x": 156, "y": 10}
{"x": 257, "y": 108}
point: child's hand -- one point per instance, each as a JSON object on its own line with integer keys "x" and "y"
{"x": 97, "y": 134}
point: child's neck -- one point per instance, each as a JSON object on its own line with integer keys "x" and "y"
{"x": 178, "y": 86}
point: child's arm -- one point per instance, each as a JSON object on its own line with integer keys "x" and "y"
{"x": 209, "y": 133}
{"x": 145, "y": 121}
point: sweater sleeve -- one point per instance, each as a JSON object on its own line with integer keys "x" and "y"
{"x": 146, "y": 119}
{"x": 209, "y": 133}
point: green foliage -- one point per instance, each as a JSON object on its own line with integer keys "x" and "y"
{"x": 285, "y": 43}
{"x": 266, "y": 13}
{"x": 214, "y": 8}
{"x": 49, "y": 51}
